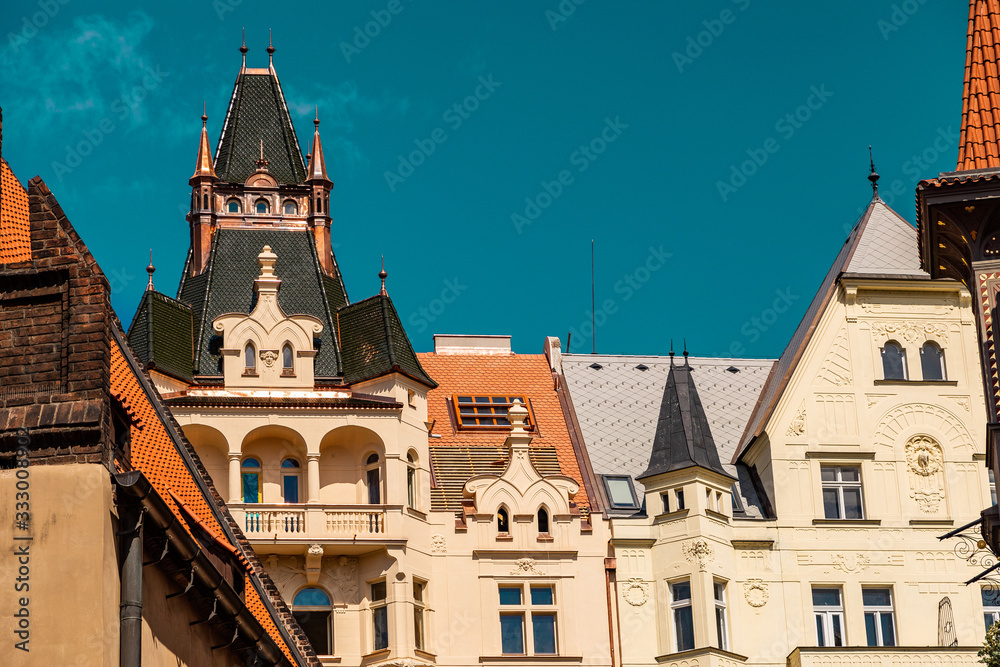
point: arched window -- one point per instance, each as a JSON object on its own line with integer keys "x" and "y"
{"x": 373, "y": 479}
{"x": 290, "y": 207}
{"x": 893, "y": 361}
{"x": 250, "y": 470}
{"x": 503, "y": 520}
{"x": 287, "y": 365}
{"x": 261, "y": 206}
{"x": 319, "y": 205}
{"x": 250, "y": 359}
{"x": 543, "y": 521}
{"x": 932, "y": 361}
{"x": 233, "y": 205}
{"x": 290, "y": 476}
{"x": 312, "y": 610}
{"x": 204, "y": 200}
{"x": 411, "y": 480}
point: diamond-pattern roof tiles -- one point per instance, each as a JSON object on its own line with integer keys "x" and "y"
{"x": 888, "y": 245}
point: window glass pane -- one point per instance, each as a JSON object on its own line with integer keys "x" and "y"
{"x": 870, "y": 630}
{"x": 850, "y": 474}
{"x": 720, "y": 591}
{"x": 876, "y": 597}
{"x": 291, "y": 484}
{"x": 681, "y": 591}
{"x": 311, "y": 597}
{"x": 543, "y": 521}
{"x": 289, "y": 463}
{"x": 888, "y": 631}
{"x": 988, "y": 618}
{"x": 380, "y": 623}
{"x": 316, "y": 625}
{"x": 251, "y": 487}
{"x": 512, "y": 633}
{"x": 680, "y": 499}
{"x": 892, "y": 362}
{"x": 620, "y": 490}
{"x": 251, "y": 463}
{"x": 852, "y": 504}
{"x": 666, "y": 503}
{"x": 541, "y": 595}
{"x": 286, "y": 357}
{"x": 418, "y": 627}
{"x": 510, "y": 595}
{"x": 828, "y": 474}
{"x": 418, "y": 591}
{"x": 684, "y": 628}
{"x": 720, "y": 627}
{"x": 991, "y": 598}
{"x": 826, "y": 597}
{"x": 831, "y": 504}
{"x": 378, "y": 591}
{"x": 543, "y": 628}
{"x": 374, "y": 494}
{"x": 930, "y": 362}
{"x": 838, "y": 631}
{"x": 234, "y": 207}
{"x": 820, "y": 630}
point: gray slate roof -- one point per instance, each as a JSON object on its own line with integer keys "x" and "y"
{"x": 888, "y": 245}
{"x": 618, "y": 405}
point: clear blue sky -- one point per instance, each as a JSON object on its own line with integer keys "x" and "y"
{"x": 618, "y": 121}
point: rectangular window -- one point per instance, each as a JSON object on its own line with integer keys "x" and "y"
{"x": 291, "y": 488}
{"x": 473, "y": 412}
{"x": 380, "y": 616}
{"x": 829, "y": 612}
{"x": 721, "y": 626}
{"x": 316, "y": 625}
{"x": 518, "y": 612}
{"x": 666, "y": 503}
{"x": 879, "y": 622}
{"x": 419, "y": 607}
{"x": 680, "y": 609}
{"x": 251, "y": 487}
{"x": 620, "y": 492}
{"x": 993, "y": 487}
{"x": 991, "y": 606}
{"x": 680, "y": 499}
{"x": 842, "y": 492}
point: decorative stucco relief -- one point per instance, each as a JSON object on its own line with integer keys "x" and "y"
{"x": 851, "y": 563}
{"x": 525, "y": 566}
{"x": 755, "y": 592}
{"x": 931, "y": 419}
{"x": 798, "y": 426}
{"x": 699, "y": 552}
{"x": 836, "y": 368}
{"x": 925, "y": 464}
{"x": 344, "y": 577}
{"x": 911, "y": 331}
{"x": 438, "y": 544}
{"x": 636, "y": 592}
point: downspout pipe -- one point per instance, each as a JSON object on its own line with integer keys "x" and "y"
{"x": 610, "y": 567}
{"x": 130, "y": 598}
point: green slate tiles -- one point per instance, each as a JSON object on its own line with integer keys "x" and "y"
{"x": 374, "y": 342}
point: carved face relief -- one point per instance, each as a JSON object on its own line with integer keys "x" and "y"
{"x": 699, "y": 552}
{"x": 269, "y": 357}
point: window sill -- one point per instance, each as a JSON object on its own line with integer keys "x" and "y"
{"x": 426, "y": 655}
{"x": 545, "y": 537}
{"x": 285, "y": 374}
{"x": 847, "y": 522}
{"x": 376, "y": 654}
{"x": 939, "y": 383}
{"x": 505, "y": 537}
{"x": 834, "y": 454}
{"x": 718, "y": 516}
{"x": 670, "y": 516}
{"x": 530, "y": 658}
{"x": 250, "y": 374}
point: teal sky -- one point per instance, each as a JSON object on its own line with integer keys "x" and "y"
{"x": 626, "y": 123}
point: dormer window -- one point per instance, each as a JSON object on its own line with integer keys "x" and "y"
{"x": 291, "y": 208}
{"x": 233, "y": 205}
{"x": 261, "y": 206}
{"x": 893, "y": 361}
{"x": 287, "y": 364}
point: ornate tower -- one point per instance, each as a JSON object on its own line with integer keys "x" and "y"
{"x": 202, "y": 214}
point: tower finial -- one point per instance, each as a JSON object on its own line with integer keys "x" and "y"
{"x": 671, "y": 350}
{"x": 204, "y": 113}
{"x": 316, "y": 120}
{"x": 685, "y": 348}
{"x": 262, "y": 162}
{"x": 873, "y": 175}
{"x": 382, "y": 276}
{"x": 244, "y": 49}
{"x": 270, "y": 49}
{"x": 150, "y": 269}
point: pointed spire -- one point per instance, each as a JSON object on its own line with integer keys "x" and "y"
{"x": 873, "y": 175}
{"x": 382, "y": 276}
{"x": 150, "y": 270}
{"x": 317, "y": 163}
{"x": 204, "y": 167}
{"x": 244, "y": 49}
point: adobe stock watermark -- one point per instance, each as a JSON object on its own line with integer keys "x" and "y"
{"x": 122, "y": 107}
{"x": 757, "y": 325}
{"x": 425, "y": 315}
{"x": 626, "y": 287}
{"x": 31, "y": 24}
{"x": 22, "y": 542}
{"x": 562, "y": 12}
{"x": 363, "y": 35}
{"x": 786, "y": 126}
{"x": 454, "y": 116}
{"x": 581, "y": 158}
{"x": 899, "y": 16}
{"x": 714, "y": 27}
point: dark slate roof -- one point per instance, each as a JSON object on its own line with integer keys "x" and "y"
{"x": 452, "y": 466}
{"x": 162, "y": 334}
{"x": 683, "y": 437}
{"x": 227, "y": 286}
{"x": 374, "y": 342}
{"x": 352, "y": 403}
{"x": 257, "y": 111}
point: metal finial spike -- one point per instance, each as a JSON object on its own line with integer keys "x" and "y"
{"x": 872, "y": 175}
{"x": 204, "y": 114}
{"x": 270, "y": 47}
{"x": 243, "y": 46}
{"x": 150, "y": 270}
{"x": 685, "y": 348}
{"x": 671, "y": 347}
{"x": 316, "y": 120}
{"x": 382, "y": 276}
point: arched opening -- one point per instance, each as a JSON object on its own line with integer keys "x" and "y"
{"x": 503, "y": 520}
{"x": 261, "y": 206}
{"x": 287, "y": 360}
{"x": 291, "y": 208}
{"x": 373, "y": 479}
{"x": 312, "y": 610}
{"x": 291, "y": 480}
{"x": 543, "y": 521}
{"x": 932, "y": 361}
{"x": 411, "y": 479}
{"x": 233, "y": 205}
{"x": 250, "y": 473}
{"x": 319, "y": 205}
{"x": 893, "y": 361}
{"x": 250, "y": 359}
{"x": 204, "y": 201}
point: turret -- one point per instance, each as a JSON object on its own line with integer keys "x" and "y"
{"x": 319, "y": 199}
{"x": 202, "y": 214}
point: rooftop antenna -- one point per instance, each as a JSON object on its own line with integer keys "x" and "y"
{"x": 150, "y": 269}
{"x": 873, "y": 175}
{"x": 244, "y": 49}
{"x": 382, "y": 276}
{"x": 593, "y": 301}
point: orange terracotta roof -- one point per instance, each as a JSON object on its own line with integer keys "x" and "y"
{"x": 15, "y": 232}
{"x": 156, "y": 455}
{"x": 978, "y": 146}
{"x": 526, "y": 375}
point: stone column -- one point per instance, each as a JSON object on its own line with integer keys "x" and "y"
{"x": 234, "y": 478}
{"x": 312, "y": 478}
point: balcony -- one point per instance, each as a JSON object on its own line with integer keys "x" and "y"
{"x": 373, "y": 525}
{"x": 897, "y": 656}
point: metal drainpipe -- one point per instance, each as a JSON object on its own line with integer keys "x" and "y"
{"x": 609, "y": 567}
{"x": 130, "y": 614}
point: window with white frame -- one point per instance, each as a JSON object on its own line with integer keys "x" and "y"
{"x": 993, "y": 487}
{"x": 842, "y": 492}
{"x": 880, "y": 624}
{"x": 380, "y": 616}
{"x": 893, "y": 361}
{"x": 411, "y": 480}
{"x": 828, "y": 609}
{"x": 419, "y": 612}
{"x": 682, "y": 615}
{"x": 534, "y": 608}
{"x": 721, "y": 622}
{"x": 991, "y": 605}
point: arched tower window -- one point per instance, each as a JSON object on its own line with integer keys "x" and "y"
{"x": 204, "y": 200}
{"x": 373, "y": 479}
{"x": 290, "y": 476}
{"x": 411, "y": 479}
{"x": 503, "y": 520}
{"x": 290, "y": 207}
{"x": 261, "y": 206}
{"x": 250, "y": 359}
{"x": 319, "y": 205}
{"x": 312, "y": 610}
{"x": 543, "y": 521}
{"x": 250, "y": 472}
{"x": 932, "y": 361}
{"x": 287, "y": 360}
{"x": 233, "y": 205}
{"x": 893, "y": 361}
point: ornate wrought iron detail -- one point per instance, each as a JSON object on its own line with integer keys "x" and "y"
{"x": 972, "y": 548}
